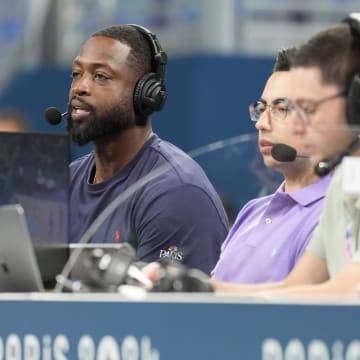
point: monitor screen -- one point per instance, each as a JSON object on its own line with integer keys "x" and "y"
{"x": 34, "y": 172}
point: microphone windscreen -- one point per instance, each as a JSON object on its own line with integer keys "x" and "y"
{"x": 283, "y": 153}
{"x": 53, "y": 115}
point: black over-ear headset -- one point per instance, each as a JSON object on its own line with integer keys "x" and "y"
{"x": 150, "y": 91}
{"x": 353, "y": 97}
{"x": 353, "y": 105}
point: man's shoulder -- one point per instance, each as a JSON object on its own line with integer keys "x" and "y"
{"x": 178, "y": 160}
{"x": 79, "y": 167}
{"x": 76, "y": 163}
{"x": 174, "y": 172}
{"x": 168, "y": 151}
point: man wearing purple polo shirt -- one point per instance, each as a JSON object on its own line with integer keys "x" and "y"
{"x": 326, "y": 73}
{"x": 271, "y": 233}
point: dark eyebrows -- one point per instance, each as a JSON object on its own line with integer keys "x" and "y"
{"x": 93, "y": 66}
{"x": 279, "y": 100}
{"x": 76, "y": 61}
{"x": 275, "y": 101}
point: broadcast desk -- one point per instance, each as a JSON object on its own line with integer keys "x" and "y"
{"x": 175, "y": 326}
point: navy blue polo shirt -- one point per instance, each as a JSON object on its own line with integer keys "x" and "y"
{"x": 164, "y": 205}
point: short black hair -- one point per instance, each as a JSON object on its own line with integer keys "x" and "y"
{"x": 283, "y": 59}
{"x": 140, "y": 55}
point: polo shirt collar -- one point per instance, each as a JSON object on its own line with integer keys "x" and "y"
{"x": 310, "y": 193}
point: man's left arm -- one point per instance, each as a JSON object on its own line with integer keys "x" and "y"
{"x": 345, "y": 283}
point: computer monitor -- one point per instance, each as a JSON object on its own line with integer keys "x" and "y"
{"x": 34, "y": 172}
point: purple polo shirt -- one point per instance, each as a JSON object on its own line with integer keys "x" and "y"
{"x": 270, "y": 234}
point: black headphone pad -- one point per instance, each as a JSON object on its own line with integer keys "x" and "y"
{"x": 150, "y": 91}
{"x": 149, "y": 94}
{"x": 353, "y": 103}
{"x": 353, "y": 94}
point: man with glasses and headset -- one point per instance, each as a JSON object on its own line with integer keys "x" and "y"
{"x": 271, "y": 233}
{"x": 326, "y": 104}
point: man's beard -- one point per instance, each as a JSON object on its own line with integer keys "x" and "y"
{"x": 97, "y": 126}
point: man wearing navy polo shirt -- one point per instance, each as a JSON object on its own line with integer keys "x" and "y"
{"x": 156, "y": 197}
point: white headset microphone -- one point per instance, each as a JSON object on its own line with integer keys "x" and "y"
{"x": 54, "y": 116}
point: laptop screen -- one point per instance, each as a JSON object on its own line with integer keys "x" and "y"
{"x": 19, "y": 270}
{"x": 34, "y": 172}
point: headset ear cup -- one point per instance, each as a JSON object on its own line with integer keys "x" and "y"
{"x": 353, "y": 105}
{"x": 137, "y": 95}
{"x": 149, "y": 95}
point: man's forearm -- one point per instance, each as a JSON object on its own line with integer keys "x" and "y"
{"x": 222, "y": 287}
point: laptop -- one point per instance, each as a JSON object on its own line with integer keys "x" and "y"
{"x": 34, "y": 172}
{"x": 19, "y": 270}
{"x": 26, "y": 268}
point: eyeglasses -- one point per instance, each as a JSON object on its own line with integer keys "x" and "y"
{"x": 278, "y": 109}
{"x": 306, "y": 108}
